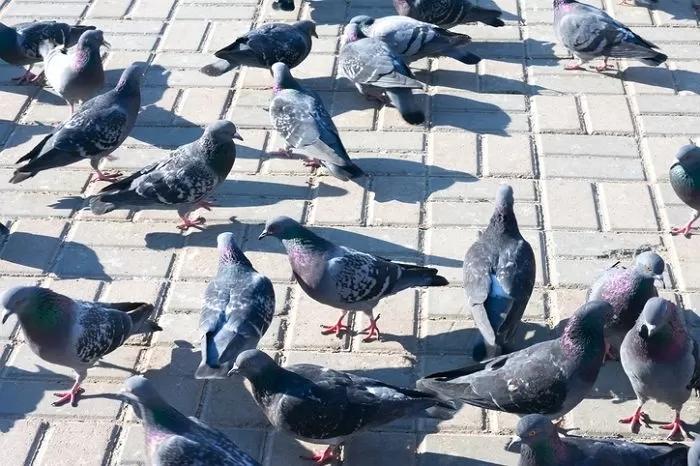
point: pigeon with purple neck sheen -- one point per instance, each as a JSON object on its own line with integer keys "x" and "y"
{"x": 661, "y": 360}
{"x": 684, "y": 176}
{"x": 448, "y": 13}
{"x": 172, "y": 439}
{"x": 342, "y": 277}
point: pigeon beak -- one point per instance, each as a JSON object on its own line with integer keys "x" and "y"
{"x": 234, "y": 370}
{"x": 6, "y": 315}
{"x": 314, "y": 34}
{"x": 263, "y": 234}
{"x": 237, "y": 136}
{"x": 660, "y": 278}
{"x": 513, "y": 441}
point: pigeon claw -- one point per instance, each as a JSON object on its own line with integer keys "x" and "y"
{"x": 106, "y": 176}
{"x": 70, "y": 396}
{"x": 338, "y": 328}
{"x": 685, "y": 231}
{"x": 285, "y": 152}
{"x": 676, "y": 428}
{"x": 315, "y": 163}
{"x": 575, "y": 66}
{"x": 322, "y": 458}
{"x": 372, "y": 329}
{"x": 635, "y": 420}
{"x": 609, "y": 356}
{"x": 187, "y": 223}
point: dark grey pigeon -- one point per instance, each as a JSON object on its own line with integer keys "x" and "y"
{"x": 694, "y": 453}
{"x": 548, "y": 378}
{"x": 319, "y": 404}
{"x": 589, "y": 32}
{"x": 4, "y": 231}
{"x": 19, "y": 44}
{"x": 182, "y": 180}
{"x": 238, "y": 308}
{"x": 175, "y": 440}
{"x": 499, "y": 274}
{"x": 299, "y": 115}
{"x": 376, "y": 70}
{"x": 685, "y": 181}
{"x": 661, "y": 360}
{"x": 73, "y": 333}
{"x": 542, "y": 446}
{"x": 283, "y": 5}
{"x": 342, "y": 277}
{"x": 264, "y": 46}
{"x": 413, "y": 39}
{"x": 94, "y": 131}
{"x": 448, "y": 13}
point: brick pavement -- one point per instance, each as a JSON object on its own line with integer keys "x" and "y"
{"x": 588, "y": 157}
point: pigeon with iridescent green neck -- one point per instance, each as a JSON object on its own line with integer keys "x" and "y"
{"x": 684, "y": 176}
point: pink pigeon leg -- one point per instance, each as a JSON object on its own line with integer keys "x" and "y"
{"x": 315, "y": 163}
{"x": 685, "y": 230}
{"x": 575, "y": 66}
{"x": 635, "y": 419}
{"x": 322, "y": 458}
{"x": 372, "y": 329}
{"x": 337, "y": 328}
{"x": 70, "y": 396}
{"x": 26, "y": 77}
{"x": 38, "y": 79}
{"x": 609, "y": 356}
{"x": 187, "y": 222}
{"x": 604, "y": 66}
{"x": 676, "y": 427}
{"x": 204, "y": 204}
{"x": 106, "y": 176}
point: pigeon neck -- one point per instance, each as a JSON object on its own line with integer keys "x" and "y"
{"x": 306, "y": 240}
{"x": 585, "y": 340}
{"x": 219, "y": 155}
{"x": 231, "y": 254}
{"x": 286, "y": 83}
{"x": 275, "y": 380}
{"x": 549, "y": 452}
{"x": 163, "y": 416}
{"x": 562, "y": 2}
{"x": 46, "y": 316}
{"x": 503, "y": 220}
{"x": 667, "y": 343}
{"x": 84, "y": 55}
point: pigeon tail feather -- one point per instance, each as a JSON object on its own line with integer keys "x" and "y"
{"x": 407, "y": 105}
{"x": 656, "y": 60}
{"x": 346, "y": 172}
{"x": 422, "y": 276}
{"x": 99, "y": 207}
{"x": 486, "y": 16}
{"x": 218, "y": 68}
{"x": 444, "y": 410}
{"x": 140, "y": 316}
{"x": 464, "y": 56}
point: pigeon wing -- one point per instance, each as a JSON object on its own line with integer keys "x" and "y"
{"x": 101, "y": 330}
{"x": 358, "y": 276}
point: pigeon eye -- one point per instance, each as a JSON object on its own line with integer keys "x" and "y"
{"x": 532, "y": 433}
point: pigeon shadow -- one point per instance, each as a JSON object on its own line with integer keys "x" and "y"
{"x": 31, "y": 90}
{"x": 485, "y": 84}
{"x": 471, "y": 115}
{"x": 677, "y": 80}
{"x": 15, "y": 134}
{"x": 678, "y": 9}
{"x": 444, "y": 459}
{"x": 513, "y": 51}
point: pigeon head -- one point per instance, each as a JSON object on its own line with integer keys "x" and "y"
{"x": 688, "y": 156}
{"x": 533, "y": 429}
{"x": 584, "y": 333}
{"x": 307, "y": 26}
{"x": 352, "y": 32}
{"x": 140, "y": 391}
{"x": 504, "y": 197}
{"x": 540, "y": 442}
{"x": 229, "y": 252}
{"x": 22, "y": 300}
{"x": 130, "y": 79}
{"x": 655, "y": 315}
{"x": 282, "y": 77}
{"x": 364, "y": 22}
{"x": 282, "y": 228}
{"x": 222, "y": 131}
{"x": 650, "y": 265}
{"x": 252, "y": 363}
{"x": 92, "y": 39}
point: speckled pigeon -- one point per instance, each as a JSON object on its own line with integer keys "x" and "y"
{"x": 172, "y": 439}
{"x": 548, "y": 378}
{"x": 375, "y": 68}
{"x": 238, "y": 308}
{"x": 589, "y": 32}
{"x": 627, "y": 290}
{"x": 685, "y": 181}
{"x": 448, "y": 13}
{"x": 96, "y": 129}
{"x": 264, "y": 46}
{"x": 342, "y": 277}
{"x": 413, "y": 39}
{"x": 74, "y": 333}
{"x": 324, "y": 405}
{"x": 499, "y": 274}
{"x": 19, "y": 44}
{"x": 299, "y": 115}
{"x": 181, "y": 180}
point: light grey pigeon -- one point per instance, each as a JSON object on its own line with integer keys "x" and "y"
{"x": 96, "y": 129}
{"x": 694, "y": 453}
{"x": 589, "y": 32}
{"x": 19, "y": 44}
{"x": 499, "y": 275}
{"x": 448, "y": 13}
{"x": 181, "y": 180}
{"x": 238, "y": 308}
{"x": 76, "y": 75}
{"x": 172, "y": 439}
{"x": 413, "y": 39}
{"x": 684, "y": 176}
{"x": 74, "y": 333}
{"x": 324, "y": 405}
{"x": 377, "y": 70}
{"x": 264, "y": 46}
{"x": 299, "y": 115}
{"x": 342, "y": 277}
{"x": 661, "y": 360}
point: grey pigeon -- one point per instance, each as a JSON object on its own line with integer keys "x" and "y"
{"x": 499, "y": 274}
{"x": 375, "y": 68}
{"x": 19, "y": 44}
{"x": 694, "y": 453}
{"x": 542, "y": 446}
{"x": 94, "y": 131}
{"x": 299, "y": 115}
{"x": 76, "y": 75}
{"x": 589, "y": 32}
{"x": 181, "y": 180}
{"x": 238, "y": 308}
{"x": 661, "y": 360}
{"x": 173, "y": 439}
{"x": 324, "y": 405}
{"x": 413, "y": 39}
{"x": 264, "y": 46}
{"x": 73, "y": 333}
{"x": 448, "y": 13}
{"x": 342, "y": 277}
{"x": 685, "y": 181}
{"x": 627, "y": 291}
{"x": 549, "y": 378}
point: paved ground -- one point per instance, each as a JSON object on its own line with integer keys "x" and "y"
{"x": 587, "y": 154}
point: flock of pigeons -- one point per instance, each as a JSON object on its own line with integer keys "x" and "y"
{"x": 623, "y": 317}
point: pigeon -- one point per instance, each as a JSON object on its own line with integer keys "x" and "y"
{"x": 264, "y": 46}
{"x": 627, "y": 290}
{"x": 373, "y": 66}
{"x": 181, "y": 180}
{"x": 96, "y": 129}
{"x": 342, "y": 277}
{"x": 448, "y": 13}
{"x": 283, "y": 5}
{"x": 548, "y": 378}
{"x": 413, "y": 39}
{"x": 172, "y": 439}
{"x": 685, "y": 181}
{"x": 76, "y": 75}
{"x": 694, "y": 453}
{"x": 499, "y": 274}
{"x": 299, "y": 115}
{"x": 19, "y": 44}
{"x": 541, "y": 445}
{"x": 238, "y": 308}
{"x": 74, "y": 333}
{"x": 661, "y": 360}
{"x": 589, "y": 32}
{"x": 320, "y": 404}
